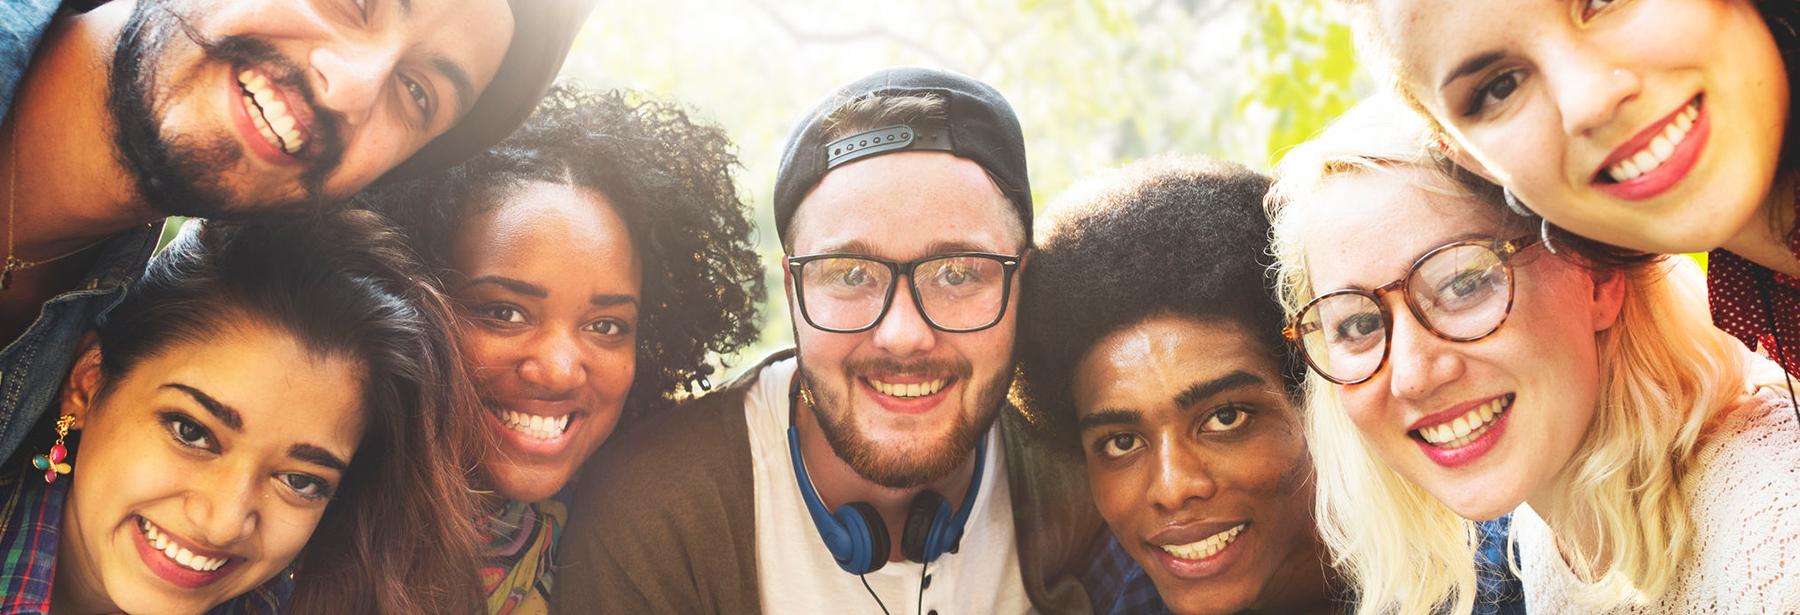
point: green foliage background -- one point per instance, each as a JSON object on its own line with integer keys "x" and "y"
{"x": 1096, "y": 83}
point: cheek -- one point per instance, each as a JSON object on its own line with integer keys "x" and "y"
{"x": 614, "y": 370}
{"x": 285, "y": 532}
{"x": 1118, "y": 493}
{"x": 1364, "y": 404}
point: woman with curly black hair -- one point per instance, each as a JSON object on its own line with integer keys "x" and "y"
{"x": 600, "y": 255}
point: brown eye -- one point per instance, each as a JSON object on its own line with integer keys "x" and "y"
{"x": 1494, "y": 92}
{"x": 1227, "y": 418}
{"x": 1117, "y": 445}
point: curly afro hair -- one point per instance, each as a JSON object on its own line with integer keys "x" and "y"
{"x": 668, "y": 175}
{"x": 1172, "y": 235}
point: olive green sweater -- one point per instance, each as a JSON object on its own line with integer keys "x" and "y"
{"x": 665, "y": 521}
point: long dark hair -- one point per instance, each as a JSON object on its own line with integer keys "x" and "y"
{"x": 668, "y": 176}
{"x": 399, "y": 536}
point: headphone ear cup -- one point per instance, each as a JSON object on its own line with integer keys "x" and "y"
{"x": 928, "y": 512}
{"x": 862, "y": 517}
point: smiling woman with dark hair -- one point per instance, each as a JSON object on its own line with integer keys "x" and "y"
{"x": 273, "y": 409}
{"x": 600, "y": 256}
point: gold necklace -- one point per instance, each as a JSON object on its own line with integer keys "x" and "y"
{"x": 13, "y": 262}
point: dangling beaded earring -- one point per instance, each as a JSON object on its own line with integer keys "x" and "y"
{"x": 52, "y": 464}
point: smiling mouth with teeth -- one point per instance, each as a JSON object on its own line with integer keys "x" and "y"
{"x": 273, "y": 119}
{"x": 533, "y": 425}
{"x": 913, "y": 390}
{"x": 1205, "y": 547}
{"x": 1465, "y": 429}
{"x": 177, "y": 553}
{"x": 1658, "y": 149}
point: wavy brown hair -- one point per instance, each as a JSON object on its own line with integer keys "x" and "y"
{"x": 399, "y": 536}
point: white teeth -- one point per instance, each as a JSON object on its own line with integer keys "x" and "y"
{"x": 181, "y": 555}
{"x": 917, "y": 389}
{"x": 273, "y": 118}
{"x": 536, "y": 426}
{"x": 1462, "y": 430}
{"x": 1205, "y": 547}
{"x": 1659, "y": 149}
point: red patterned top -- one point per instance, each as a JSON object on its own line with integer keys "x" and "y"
{"x": 1756, "y": 304}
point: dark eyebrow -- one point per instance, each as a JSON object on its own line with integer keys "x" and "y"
{"x": 1109, "y": 417}
{"x": 317, "y": 456}
{"x": 1472, "y": 65}
{"x": 518, "y": 286}
{"x": 220, "y": 411}
{"x": 459, "y": 79}
{"x": 1199, "y": 391}
{"x": 612, "y": 300}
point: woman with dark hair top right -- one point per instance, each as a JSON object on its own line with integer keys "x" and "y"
{"x": 1468, "y": 362}
{"x": 600, "y": 257}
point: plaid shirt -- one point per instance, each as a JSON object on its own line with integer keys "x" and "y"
{"x": 1117, "y": 585}
{"x": 30, "y": 512}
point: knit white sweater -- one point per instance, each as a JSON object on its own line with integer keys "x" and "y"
{"x": 1744, "y": 498}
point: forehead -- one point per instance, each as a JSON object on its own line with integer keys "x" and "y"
{"x": 567, "y": 232}
{"x": 1365, "y": 228}
{"x": 1430, "y": 38}
{"x": 902, "y": 205}
{"x": 283, "y": 390}
{"x": 1149, "y": 364}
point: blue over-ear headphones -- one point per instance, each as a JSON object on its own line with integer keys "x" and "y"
{"x": 856, "y": 535}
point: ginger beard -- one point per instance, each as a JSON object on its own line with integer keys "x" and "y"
{"x": 179, "y": 174}
{"x": 928, "y": 459}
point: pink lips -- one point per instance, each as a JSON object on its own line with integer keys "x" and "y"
{"x": 1212, "y": 566}
{"x": 1468, "y": 453}
{"x": 176, "y": 574}
{"x": 1670, "y": 172}
{"x": 897, "y": 405}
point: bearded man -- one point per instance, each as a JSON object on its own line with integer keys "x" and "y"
{"x": 120, "y": 114}
{"x": 878, "y": 463}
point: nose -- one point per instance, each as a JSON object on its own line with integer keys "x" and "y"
{"x": 1179, "y": 475}
{"x": 904, "y": 332}
{"x": 554, "y": 362}
{"x": 1418, "y": 360}
{"x": 223, "y": 504}
{"x": 1590, "y": 89}
{"x": 349, "y": 77}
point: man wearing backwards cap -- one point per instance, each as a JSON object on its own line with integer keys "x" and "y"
{"x": 877, "y": 467}
{"x": 120, "y": 114}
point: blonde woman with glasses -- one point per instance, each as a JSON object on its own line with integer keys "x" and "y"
{"x": 1468, "y": 362}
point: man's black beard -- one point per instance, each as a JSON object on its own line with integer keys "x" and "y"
{"x": 179, "y": 175}
{"x": 891, "y": 469}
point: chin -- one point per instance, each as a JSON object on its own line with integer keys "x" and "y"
{"x": 526, "y": 484}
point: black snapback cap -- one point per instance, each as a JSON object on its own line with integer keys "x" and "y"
{"x": 981, "y": 127}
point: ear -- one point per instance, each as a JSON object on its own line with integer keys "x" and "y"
{"x": 82, "y": 390}
{"x": 1609, "y": 300}
{"x": 787, "y": 280}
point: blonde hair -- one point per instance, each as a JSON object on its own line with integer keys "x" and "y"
{"x": 1664, "y": 373}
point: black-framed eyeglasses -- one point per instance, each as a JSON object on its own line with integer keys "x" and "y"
{"x": 1461, "y": 292}
{"x": 956, "y": 292}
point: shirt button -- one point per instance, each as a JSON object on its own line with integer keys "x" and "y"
{"x": 926, "y": 583}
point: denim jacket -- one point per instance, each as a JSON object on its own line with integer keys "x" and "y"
{"x": 32, "y": 367}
